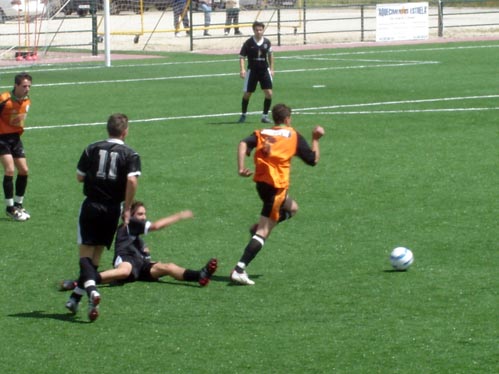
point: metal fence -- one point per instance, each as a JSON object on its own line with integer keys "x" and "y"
{"x": 289, "y": 22}
{"x": 358, "y": 22}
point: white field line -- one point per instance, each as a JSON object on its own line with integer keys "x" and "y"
{"x": 372, "y": 112}
{"x": 199, "y": 76}
{"x": 75, "y": 66}
{"x": 300, "y": 110}
{"x": 316, "y": 111}
{"x": 403, "y": 102}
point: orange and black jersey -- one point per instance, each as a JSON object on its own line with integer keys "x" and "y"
{"x": 274, "y": 149}
{"x": 256, "y": 53}
{"x": 13, "y": 113}
{"x": 106, "y": 166}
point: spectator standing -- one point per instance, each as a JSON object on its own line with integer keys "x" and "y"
{"x": 232, "y": 16}
{"x": 205, "y": 6}
{"x": 180, "y": 15}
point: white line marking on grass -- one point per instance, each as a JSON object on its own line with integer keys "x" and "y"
{"x": 304, "y": 70}
{"x": 459, "y": 98}
{"x": 74, "y": 66}
{"x": 400, "y": 111}
{"x": 146, "y": 120}
{"x": 316, "y": 58}
{"x": 321, "y": 109}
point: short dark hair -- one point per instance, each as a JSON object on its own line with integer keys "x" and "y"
{"x": 136, "y": 205}
{"x": 258, "y": 24}
{"x": 117, "y": 123}
{"x": 18, "y": 79}
{"x": 280, "y": 112}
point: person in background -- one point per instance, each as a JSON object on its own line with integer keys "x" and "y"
{"x": 258, "y": 51}
{"x": 14, "y": 107}
{"x": 205, "y": 6}
{"x": 274, "y": 149}
{"x": 180, "y": 10}
{"x": 232, "y": 16}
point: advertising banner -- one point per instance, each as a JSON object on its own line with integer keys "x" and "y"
{"x": 407, "y": 21}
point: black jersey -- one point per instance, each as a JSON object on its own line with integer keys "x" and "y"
{"x": 106, "y": 166}
{"x": 256, "y": 53}
{"x": 128, "y": 241}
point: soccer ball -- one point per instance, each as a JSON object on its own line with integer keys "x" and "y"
{"x": 401, "y": 258}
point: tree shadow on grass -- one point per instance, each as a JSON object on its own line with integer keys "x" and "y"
{"x": 41, "y": 314}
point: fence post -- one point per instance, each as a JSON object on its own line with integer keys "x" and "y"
{"x": 95, "y": 38}
{"x": 278, "y": 25}
{"x": 440, "y": 18}
{"x": 191, "y": 32}
{"x": 304, "y": 21}
{"x": 362, "y": 23}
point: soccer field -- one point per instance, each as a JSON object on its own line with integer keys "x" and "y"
{"x": 409, "y": 159}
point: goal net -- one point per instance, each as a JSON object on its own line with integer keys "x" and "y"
{"x": 33, "y": 28}
{"x": 36, "y": 28}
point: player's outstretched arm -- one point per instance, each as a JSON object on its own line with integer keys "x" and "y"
{"x": 317, "y": 133}
{"x": 170, "y": 220}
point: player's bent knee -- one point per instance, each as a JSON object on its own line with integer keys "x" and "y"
{"x": 124, "y": 270}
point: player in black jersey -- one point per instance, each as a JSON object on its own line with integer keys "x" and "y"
{"x": 258, "y": 51}
{"x": 132, "y": 258}
{"x": 109, "y": 171}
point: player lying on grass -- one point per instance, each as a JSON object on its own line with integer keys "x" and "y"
{"x": 132, "y": 261}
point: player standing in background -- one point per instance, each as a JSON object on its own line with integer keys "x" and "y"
{"x": 109, "y": 171}
{"x": 14, "y": 107}
{"x": 258, "y": 51}
{"x": 274, "y": 148}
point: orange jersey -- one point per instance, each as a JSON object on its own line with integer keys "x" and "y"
{"x": 13, "y": 113}
{"x": 274, "y": 149}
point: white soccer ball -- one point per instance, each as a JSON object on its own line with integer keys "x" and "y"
{"x": 401, "y": 258}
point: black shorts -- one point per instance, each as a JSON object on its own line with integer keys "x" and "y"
{"x": 11, "y": 144}
{"x": 141, "y": 268}
{"x": 98, "y": 223}
{"x": 253, "y": 77}
{"x": 272, "y": 198}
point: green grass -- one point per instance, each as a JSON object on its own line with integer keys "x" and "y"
{"x": 406, "y": 160}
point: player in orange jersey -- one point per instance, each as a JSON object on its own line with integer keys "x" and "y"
{"x": 274, "y": 149}
{"x": 14, "y": 107}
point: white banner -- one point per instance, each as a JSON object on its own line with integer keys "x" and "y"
{"x": 408, "y": 21}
